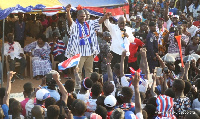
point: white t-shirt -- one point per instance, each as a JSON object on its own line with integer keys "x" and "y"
{"x": 83, "y": 97}
{"x": 91, "y": 106}
{"x": 139, "y": 115}
{"x": 192, "y": 30}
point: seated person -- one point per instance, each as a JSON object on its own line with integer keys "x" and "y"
{"x": 40, "y": 51}
{"x": 13, "y": 50}
{"x": 58, "y": 50}
{"x": 52, "y": 29}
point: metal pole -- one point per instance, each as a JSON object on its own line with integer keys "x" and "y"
{"x": 2, "y": 53}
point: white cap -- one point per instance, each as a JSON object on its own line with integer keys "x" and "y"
{"x": 110, "y": 101}
{"x": 42, "y": 94}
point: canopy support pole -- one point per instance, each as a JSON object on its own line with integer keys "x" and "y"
{"x": 2, "y": 61}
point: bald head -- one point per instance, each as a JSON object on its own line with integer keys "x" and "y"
{"x": 81, "y": 16}
{"x": 37, "y": 112}
{"x": 121, "y": 22}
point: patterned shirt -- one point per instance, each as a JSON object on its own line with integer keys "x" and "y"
{"x": 127, "y": 107}
{"x": 59, "y": 48}
{"x": 88, "y": 49}
{"x": 181, "y": 105}
{"x": 173, "y": 46}
{"x": 161, "y": 44}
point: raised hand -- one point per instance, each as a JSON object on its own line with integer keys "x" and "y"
{"x": 108, "y": 15}
{"x": 68, "y": 7}
{"x": 109, "y": 58}
{"x": 143, "y": 52}
{"x": 136, "y": 79}
{"x": 10, "y": 74}
{"x": 56, "y": 76}
{"x": 104, "y": 10}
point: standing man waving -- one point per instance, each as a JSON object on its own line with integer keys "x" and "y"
{"x": 83, "y": 40}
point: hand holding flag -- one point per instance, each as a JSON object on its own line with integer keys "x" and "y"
{"x": 71, "y": 62}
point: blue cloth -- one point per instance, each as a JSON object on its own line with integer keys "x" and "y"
{"x": 53, "y": 93}
{"x": 161, "y": 4}
{"x": 5, "y": 109}
{"x": 19, "y": 31}
{"x": 82, "y": 117}
{"x": 174, "y": 10}
{"x": 105, "y": 78}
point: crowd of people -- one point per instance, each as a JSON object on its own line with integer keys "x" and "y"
{"x": 144, "y": 65}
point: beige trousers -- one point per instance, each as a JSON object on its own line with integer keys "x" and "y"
{"x": 87, "y": 62}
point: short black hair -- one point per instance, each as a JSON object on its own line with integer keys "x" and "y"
{"x": 69, "y": 85}
{"x": 2, "y": 92}
{"x": 70, "y": 100}
{"x": 53, "y": 111}
{"x": 191, "y": 115}
{"x": 117, "y": 66}
{"x": 28, "y": 88}
{"x": 152, "y": 101}
{"x": 15, "y": 107}
{"x": 101, "y": 99}
{"x": 80, "y": 108}
{"x": 101, "y": 111}
{"x": 88, "y": 83}
{"x": 187, "y": 88}
{"x": 150, "y": 109}
{"x": 169, "y": 92}
{"x": 179, "y": 85}
{"x": 96, "y": 89}
{"x": 95, "y": 77}
{"x": 80, "y": 12}
{"x": 127, "y": 92}
{"x": 142, "y": 24}
{"x": 73, "y": 106}
{"x": 49, "y": 101}
{"x": 11, "y": 100}
{"x": 42, "y": 36}
{"x": 107, "y": 89}
{"x": 117, "y": 114}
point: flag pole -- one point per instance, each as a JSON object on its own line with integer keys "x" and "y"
{"x": 2, "y": 53}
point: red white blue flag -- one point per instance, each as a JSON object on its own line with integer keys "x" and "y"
{"x": 71, "y": 62}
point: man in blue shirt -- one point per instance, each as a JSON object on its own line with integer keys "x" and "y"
{"x": 172, "y": 8}
{"x": 161, "y": 3}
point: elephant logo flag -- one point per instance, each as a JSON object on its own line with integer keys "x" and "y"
{"x": 71, "y": 62}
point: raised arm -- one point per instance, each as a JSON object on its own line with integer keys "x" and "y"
{"x": 61, "y": 87}
{"x": 166, "y": 12}
{"x": 162, "y": 64}
{"x": 152, "y": 91}
{"x": 69, "y": 18}
{"x": 122, "y": 63}
{"x": 109, "y": 70}
{"x": 8, "y": 89}
{"x": 135, "y": 82}
{"x": 106, "y": 16}
{"x": 143, "y": 63}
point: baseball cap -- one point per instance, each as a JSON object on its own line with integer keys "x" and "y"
{"x": 176, "y": 16}
{"x": 110, "y": 101}
{"x": 130, "y": 115}
{"x": 42, "y": 94}
{"x": 168, "y": 58}
{"x": 95, "y": 116}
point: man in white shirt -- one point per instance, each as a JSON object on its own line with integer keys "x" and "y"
{"x": 195, "y": 9}
{"x": 121, "y": 38}
{"x": 15, "y": 53}
{"x": 192, "y": 29}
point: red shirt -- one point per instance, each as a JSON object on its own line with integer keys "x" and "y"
{"x": 109, "y": 114}
{"x": 133, "y": 47}
{"x": 197, "y": 24}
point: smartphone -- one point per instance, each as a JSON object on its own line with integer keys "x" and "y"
{"x": 158, "y": 72}
{"x": 49, "y": 77}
